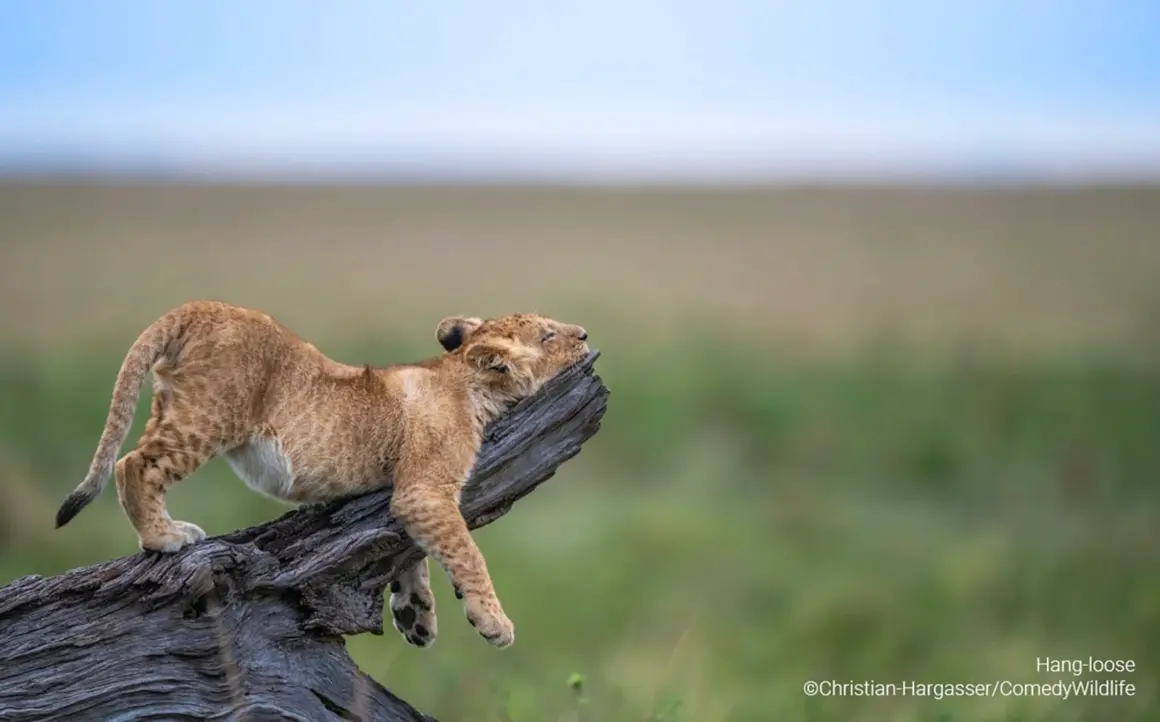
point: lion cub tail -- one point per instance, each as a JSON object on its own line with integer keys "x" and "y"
{"x": 151, "y": 345}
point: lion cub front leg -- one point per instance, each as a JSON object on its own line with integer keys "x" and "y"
{"x": 413, "y": 605}
{"x": 430, "y": 514}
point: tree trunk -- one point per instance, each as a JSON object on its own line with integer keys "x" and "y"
{"x": 250, "y": 625}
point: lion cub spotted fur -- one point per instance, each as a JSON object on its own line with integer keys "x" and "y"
{"x": 298, "y": 426}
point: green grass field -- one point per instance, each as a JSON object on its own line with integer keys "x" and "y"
{"x": 967, "y": 485}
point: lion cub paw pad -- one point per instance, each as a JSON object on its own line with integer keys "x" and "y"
{"x": 413, "y": 616}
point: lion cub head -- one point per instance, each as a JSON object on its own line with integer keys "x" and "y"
{"x": 515, "y": 354}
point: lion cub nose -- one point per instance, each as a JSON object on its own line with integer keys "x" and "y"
{"x": 583, "y": 335}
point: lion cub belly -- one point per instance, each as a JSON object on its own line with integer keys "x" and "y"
{"x": 264, "y": 467}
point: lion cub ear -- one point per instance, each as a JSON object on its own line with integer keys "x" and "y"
{"x": 496, "y": 356}
{"x": 453, "y": 331}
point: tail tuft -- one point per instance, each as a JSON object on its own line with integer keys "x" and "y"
{"x": 73, "y": 504}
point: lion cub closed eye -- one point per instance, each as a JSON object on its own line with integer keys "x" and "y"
{"x": 299, "y": 426}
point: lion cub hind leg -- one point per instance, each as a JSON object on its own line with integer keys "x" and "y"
{"x": 413, "y": 605}
{"x": 431, "y": 517}
{"x": 162, "y": 458}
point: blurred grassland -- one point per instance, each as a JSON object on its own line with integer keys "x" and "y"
{"x": 853, "y": 434}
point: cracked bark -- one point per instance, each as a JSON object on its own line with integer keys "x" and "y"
{"x": 250, "y": 625}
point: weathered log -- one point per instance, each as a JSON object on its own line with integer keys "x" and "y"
{"x": 250, "y": 625}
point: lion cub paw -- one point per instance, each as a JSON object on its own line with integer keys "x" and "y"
{"x": 177, "y": 536}
{"x": 487, "y": 616}
{"x": 413, "y": 614}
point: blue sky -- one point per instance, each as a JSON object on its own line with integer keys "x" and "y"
{"x": 594, "y": 89}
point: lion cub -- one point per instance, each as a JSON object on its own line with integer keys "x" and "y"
{"x": 294, "y": 424}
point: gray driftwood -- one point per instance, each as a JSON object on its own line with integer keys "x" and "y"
{"x": 250, "y": 625}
